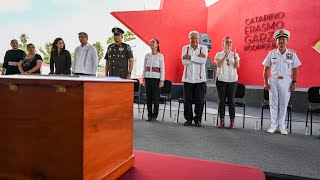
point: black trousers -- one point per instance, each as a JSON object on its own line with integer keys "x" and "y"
{"x": 153, "y": 95}
{"x": 119, "y": 72}
{"x": 194, "y": 92}
{"x": 226, "y": 90}
{"x": 12, "y": 70}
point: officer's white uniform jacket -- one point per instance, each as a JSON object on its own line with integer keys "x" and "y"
{"x": 280, "y": 80}
{"x": 194, "y": 69}
{"x": 281, "y": 64}
{"x": 85, "y": 60}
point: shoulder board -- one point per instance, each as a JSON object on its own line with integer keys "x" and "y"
{"x": 111, "y": 46}
{"x": 128, "y": 47}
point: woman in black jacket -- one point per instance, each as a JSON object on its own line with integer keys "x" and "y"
{"x": 60, "y": 60}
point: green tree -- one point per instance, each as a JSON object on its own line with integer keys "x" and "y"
{"x": 72, "y": 56}
{"x": 100, "y": 50}
{"x": 46, "y": 52}
{"x": 23, "y": 39}
{"x": 317, "y": 46}
{"x": 127, "y": 36}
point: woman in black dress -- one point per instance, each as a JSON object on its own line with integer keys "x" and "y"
{"x": 60, "y": 60}
{"x": 31, "y": 63}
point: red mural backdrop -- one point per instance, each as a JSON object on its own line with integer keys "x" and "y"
{"x": 250, "y": 23}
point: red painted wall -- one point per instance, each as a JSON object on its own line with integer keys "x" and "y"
{"x": 171, "y": 25}
{"x": 175, "y": 19}
{"x": 228, "y": 17}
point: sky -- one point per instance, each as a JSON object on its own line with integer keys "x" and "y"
{"x": 45, "y": 20}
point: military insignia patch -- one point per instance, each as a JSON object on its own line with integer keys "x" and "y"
{"x": 289, "y": 56}
{"x": 281, "y": 32}
{"x": 121, "y": 49}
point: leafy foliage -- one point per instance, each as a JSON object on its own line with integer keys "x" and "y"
{"x": 23, "y": 39}
{"x": 317, "y": 46}
{"x": 100, "y": 50}
{"x": 46, "y": 52}
{"x": 127, "y": 36}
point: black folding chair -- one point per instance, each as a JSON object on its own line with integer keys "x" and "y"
{"x": 314, "y": 103}
{"x": 137, "y": 92}
{"x": 240, "y": 93}
{"x": 165, "y": 96}
{"x": 265, "y": 105}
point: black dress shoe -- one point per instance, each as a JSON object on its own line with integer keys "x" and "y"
{"x": 153, "y": 119}
{"x": 149, "y": 119}
{"x": 188, "y": 123}
{"x": 198, "y": 123}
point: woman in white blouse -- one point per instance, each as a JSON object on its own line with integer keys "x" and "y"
{"x": 153, "y": 78}
{"x": 227, "y": 77}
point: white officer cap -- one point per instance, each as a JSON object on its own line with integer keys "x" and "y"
{"x": 281, "y": 33}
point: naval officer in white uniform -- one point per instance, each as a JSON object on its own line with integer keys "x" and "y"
{"x": 284, "y": 64}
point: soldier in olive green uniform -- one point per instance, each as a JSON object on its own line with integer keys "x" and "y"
{"x": 119, "y": 59}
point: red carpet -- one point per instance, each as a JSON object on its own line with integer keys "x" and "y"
{"x": 166, "y": 167}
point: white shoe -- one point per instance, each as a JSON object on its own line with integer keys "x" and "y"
{"x": 271, "y": 130}
{"x": 283, "y": 131}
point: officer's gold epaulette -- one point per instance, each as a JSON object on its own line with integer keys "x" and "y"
{"x": 292, "y": 50}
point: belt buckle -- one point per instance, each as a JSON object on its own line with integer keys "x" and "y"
{"x": 280, "y": 77}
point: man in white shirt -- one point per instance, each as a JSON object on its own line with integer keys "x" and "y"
{"x": 194, "y": 58}
{"x": 85, "y": 57}
{"x": 282, "y": 62}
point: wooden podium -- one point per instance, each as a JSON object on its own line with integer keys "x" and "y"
{"x": 65, "y": 128}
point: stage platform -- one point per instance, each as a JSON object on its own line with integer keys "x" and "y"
{"x": 153, "y": 166}
{"x": 294, "y": 154}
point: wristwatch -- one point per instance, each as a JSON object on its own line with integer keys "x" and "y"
{"x": 293, "y": 82}
{"x": 28, "y": 72}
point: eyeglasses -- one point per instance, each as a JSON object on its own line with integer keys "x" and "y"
{"x": 227, "y": 62}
